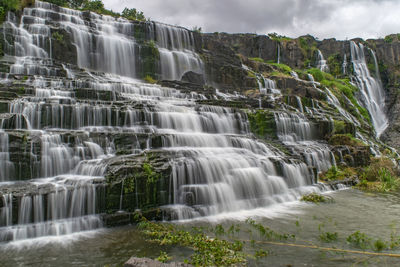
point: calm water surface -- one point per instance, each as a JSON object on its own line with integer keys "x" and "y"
{"x": 377, "y": 215}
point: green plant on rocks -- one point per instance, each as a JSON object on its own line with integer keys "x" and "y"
{"x": 267, "y": 232}
{"x": 308, "y": 47}
{"x": 133, "y": 14}
{"x": 207, "y": 251}
{"x": 381, "y": 176}
{"x": 338, "y": 173}
{"x": 335, "y": 64}
{"x": 150, "y": 79}
{"x": 314, "y": 198}
{"x": 150, "y": 56}
{"x": 262, "y": 123}
{"x": 12, "y": 6}
{"x": 359, "y": 240}
{"x": 163, "y": 257}
{"x": 328, "y": 237}
{"x": 261, "y": 254}
{"x": 58, "y": 36}
{"x": 344, "y": 139}
{"x": 282, "y": 68}
{"x": 257, "y": 59}
{"x": 279, "y": 38}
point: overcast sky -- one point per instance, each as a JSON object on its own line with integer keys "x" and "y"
{"x": 321, "y": 18}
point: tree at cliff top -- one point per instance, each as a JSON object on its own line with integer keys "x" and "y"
{"x": 97, "y": 6}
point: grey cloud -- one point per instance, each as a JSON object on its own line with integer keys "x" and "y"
{"x": 321, "y": 18}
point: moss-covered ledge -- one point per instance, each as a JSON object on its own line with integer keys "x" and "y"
{"x": 137, "y": 182}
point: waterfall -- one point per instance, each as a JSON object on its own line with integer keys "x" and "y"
{"x": 267, "y": 86}
{"x": 176, "y": 47}
{"x": 296, "y": 132}
{"x": 294, "y": 75}
{"x": 6, "y": 166}
{"x": 278, "y": 60}
{"x": 108, "y": 39}
{"x": 344, "y": 65}
{"x": 372, "y": 93}
{"x": 321, "y": 62}
{"x": 71, "y": 117}
{"x": 332, "y": 99}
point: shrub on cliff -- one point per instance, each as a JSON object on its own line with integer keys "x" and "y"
{"x": 13, "y": 6}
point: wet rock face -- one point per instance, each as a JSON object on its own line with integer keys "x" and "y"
{"x": 353, "y": 156}
{"x": 249, "y": 45}
{"x": 138, "y": 182}
{"x": 192, "y": 77}
{"x": 224, "y": 68}
{"x": 63, "y": 48}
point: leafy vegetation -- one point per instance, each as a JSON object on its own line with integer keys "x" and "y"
{"x": 335, "y": 65}
{"x": 282, "y": 68}
{"x": 207, "y": 251}
{"x": 262, "y": 123}
{"x": 260, "y": 253}
{"x": 318, "y": 75}
{"x": 363, "y": 241}
{"x": 257, "y": 59}
{"x": 150, "y": 56}
{"x": 308, "y": 47}
{"x": 279, "y": 38}
{"x": 163, "y": 257}
{"x": 392, "y": 37}
{"x": 314, "y": 198}
{"x": 149, "y": 79}
{"x": 385, "y": 181}
{"x": 345, "y": 140}
{"x": 58, "y": 36}
{"x": 97, "y": 6}
{"x": 359, "y": 240}
{"x": 133, "y": 14}
{"x": 337, "y": 173}
{"x": 342, "y": 88}
{"x": 13, "y": 6}
{"x": 197, "y": 29}
{"x": 267, "y": 232}
{"x": 328, "y": 237}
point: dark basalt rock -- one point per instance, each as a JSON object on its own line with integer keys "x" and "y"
{"x": 224, "y": 68}
{"x": 63, "y": 49}
{"x": 143, "y": 181}
{"x": 193, "y": 77}
{"x": 353, "y": 156}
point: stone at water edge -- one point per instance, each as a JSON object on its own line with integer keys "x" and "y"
{"x": 146, "y": 262}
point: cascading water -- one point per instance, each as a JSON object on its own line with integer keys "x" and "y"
{"x": 278, "y": 60}
{"x": 267, "y": 86}
{"x": 176, "y": 46}
{"x": 372, "y": 94}
{"x": 71, "y": 124}
{"x": 321, "y": 62}
{"x": 6, "y": 166}
{"x": 109, "y": 40}
{"x": 296, "y": 132}
{"x": 344, "y": 65}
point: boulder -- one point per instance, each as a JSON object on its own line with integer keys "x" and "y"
{"x": 193, "y": 77}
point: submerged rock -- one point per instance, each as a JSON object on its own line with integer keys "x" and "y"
{"x": 146, "y": 262}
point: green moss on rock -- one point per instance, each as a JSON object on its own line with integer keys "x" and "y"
{"x": 262, "y": 124}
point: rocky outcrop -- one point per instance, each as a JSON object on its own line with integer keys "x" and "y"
{"x": 62, "y": 47}
{"x": 224, "y": 68}
{"x": 193, "y": 77}
{"x": 138, "y": 182}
